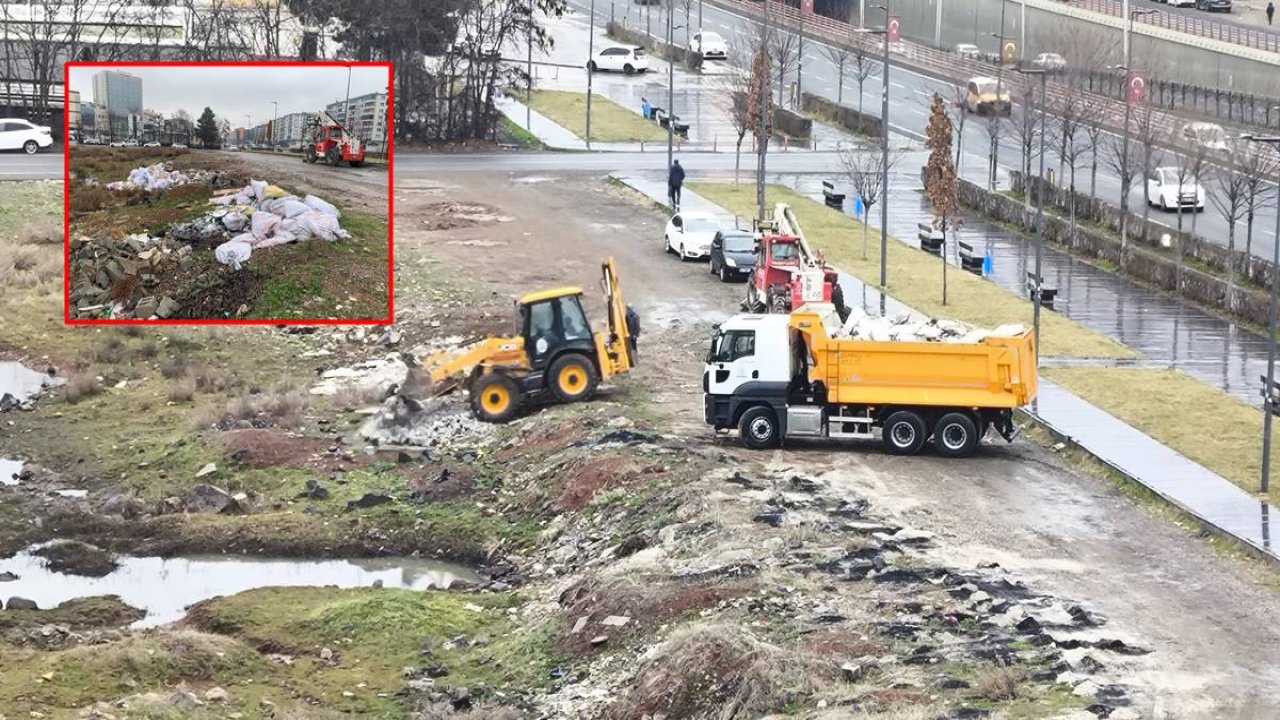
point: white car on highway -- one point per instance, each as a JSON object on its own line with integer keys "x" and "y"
{"x": 18, "y": 134}
{"x": 710, "y": 45}
{"x": 1207, "y": 135}
{"x": 689, "y": 234}
{"x": 1166, "y": 192}
{"x": 620, "y": 59}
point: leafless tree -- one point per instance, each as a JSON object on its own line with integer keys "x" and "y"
{"x": 1121, "y": 155}
{"x": 838, "y": 54}
{"x": 864, "y": 62}
{"x": 865, "y": 167}
{"x": 1027, "y": 130}
{"x": 1230, "y": 197}
{"x": 1258, "y": 165}
{"x": 1148, "y": 134}
{"x": 268, "y": 16}
{"x": 1189, "y": 168}
{"x": 1074, "y": 117}
{"x": 995, "y": 127}
{"x": 734, "y": 95}
{"x": 783, "y": 50}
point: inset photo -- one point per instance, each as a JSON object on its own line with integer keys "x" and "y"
{"x": 232, "y": 193}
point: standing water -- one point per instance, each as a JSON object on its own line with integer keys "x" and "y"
{"x": 9, "y": 471}
{"x": 165, "y": 587}
{"x": 18, "y": 383}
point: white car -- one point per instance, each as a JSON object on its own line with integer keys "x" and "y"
{"x": 231, "y": 147}
{"x": 151, "y": 144}
{"x": 968, "y": 51}
{"x": 18, "y": 134}
{"x": 689, "y": 234}
{"x": 620, "y": 59}
{"x": 1165, "y": 192}
{"x": 179, "y": 146}
{"x": 1207, "y": 135}
{"x": 710, "y": 45}
{"x": 1050, "y": 61}
{"x": 1179, "y": 3}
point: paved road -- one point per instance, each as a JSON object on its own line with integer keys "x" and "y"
{"x": 1231, "y": 18}
{"x": 909, "y": 95}
{"x": 19, "y": 166}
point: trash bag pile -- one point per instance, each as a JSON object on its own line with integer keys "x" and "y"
{"x": 265, "y": 215}
{"x": 908, "y": 328}
{"x": 161, "y": 176}
{"x": 117, "y": 278}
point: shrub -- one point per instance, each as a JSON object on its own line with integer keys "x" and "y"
{"x": 81, "y": 385}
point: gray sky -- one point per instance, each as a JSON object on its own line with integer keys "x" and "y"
{"x": 233, "y": 92}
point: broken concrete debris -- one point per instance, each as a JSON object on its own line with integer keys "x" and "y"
{"x": 117, "y": 278}
{"x": 906, "y": 327}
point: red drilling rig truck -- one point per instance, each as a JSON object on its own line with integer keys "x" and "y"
{"x": 329, "y": 141}
{"x": 789, "y": 272}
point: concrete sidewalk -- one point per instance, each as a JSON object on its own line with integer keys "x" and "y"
{"x": 1188, "y": 485}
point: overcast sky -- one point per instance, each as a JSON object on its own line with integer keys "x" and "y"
{"x": 233, "y": 92}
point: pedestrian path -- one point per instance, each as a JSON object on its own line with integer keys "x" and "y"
{"x": 1186, "y": 484}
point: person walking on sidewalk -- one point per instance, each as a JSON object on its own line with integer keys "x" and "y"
{"x": 675, "y": 178}
{"x": 1271, "y": 11}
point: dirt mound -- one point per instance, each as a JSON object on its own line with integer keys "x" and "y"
{"x": 451, "y": 215}
{"x": 223, "y": 297}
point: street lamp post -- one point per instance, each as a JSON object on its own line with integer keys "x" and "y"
{"x": 995, "y": 136}
{"x": 591, "y": 53}
{"x": 346, "y": 104}
{"x": 671, "y": 91}
{"x": 1269, "y": 406}
{"x": 884, "y": 163}
{"x": 763, "y": 100}
{"x": 1039, "y": 281}
{"x": 275, "y": 114}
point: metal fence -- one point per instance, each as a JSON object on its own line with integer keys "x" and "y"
{"x": 1202, "y": 27}
{"x": 1240, "y": 108}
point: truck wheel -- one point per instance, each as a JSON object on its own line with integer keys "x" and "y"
{"x": 758, "y": 428}
{"x": 572, "y": 377}
{"x": 903, "y": 433}
{"x": 955, "y": 435}
{"x": 495, "y": 398}
{"x": 356, "y": 163}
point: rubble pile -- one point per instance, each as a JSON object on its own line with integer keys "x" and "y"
{"x": 265, "y": 215}
{"x": 908, "y": 328}
{"x": 118, "y": 278}
{"x": 162, "y": 176}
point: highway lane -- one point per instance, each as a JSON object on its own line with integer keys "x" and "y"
{"x": 41, "y": 166}
{"x": 909, "y": 95}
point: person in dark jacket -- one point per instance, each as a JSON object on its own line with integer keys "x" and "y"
{"x": 675, "y": 178}
{"x": 1271, "y": 11}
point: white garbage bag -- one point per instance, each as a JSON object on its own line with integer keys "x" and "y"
{"x": 285, "y": 207}
{"x": 280, "y": 237}
{"x": 140, "y": 177}
{"x": 315, "y": 224}
{"x": 233, "y": 252}
{"x": 263, "y": 224}
{"x": 234, "y": 221}
{"x": 258, "y": 188}
{"x": 320, "y": 205}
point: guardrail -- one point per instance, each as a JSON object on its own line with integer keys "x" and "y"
{"x": 1201, "y": 27}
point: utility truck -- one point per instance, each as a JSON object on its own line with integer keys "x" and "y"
{"x": 777, "y": 377}
{"x": 788, "y": 271}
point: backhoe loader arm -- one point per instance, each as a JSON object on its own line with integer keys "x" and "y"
{"x": 615, "y": 355}
{"x": 442, "y": 371}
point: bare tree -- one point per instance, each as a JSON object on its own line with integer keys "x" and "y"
{"x": 940, "y": 179}
{"x": 760, "y": 107}
{"x": 1258, "y": 166}
{"x": 866, "y": 167}
{"x": 1231, "y": 199}
{"x": 1027, "y": 132}
{"x": 734, "y": 96}
{"x": 838, "y": 54}
{"x": 1074, "y": 118}
{"x": 1189, "y": 169}
{"x": 1147, "y": 133}
{"x": 783, "y": 51}
{"x": 863, "y": 62}
{"x": 995, "y": 130}
{"x": 1125, "y": 162}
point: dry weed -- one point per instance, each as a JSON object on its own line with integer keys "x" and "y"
{"x": 182, "y": 390}
{"x": 81, "y": 385}
{"x": 175, "y": 367}
{"x": 445, "y": 711}
{"x": 998, "y": 683}
{"x": 110, "y": 352}
{"x": 282, "y": 407}
{"x": 45, "y": 231}
{"x": 29, "y": 266}
{"x": 351, "y": 397}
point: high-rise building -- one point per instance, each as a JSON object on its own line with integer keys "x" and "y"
{"x": 74, "y": 120}
{"x": 368, "y": 116}
{"x": 289, "y": 128}
{"x": 121, "y": 94}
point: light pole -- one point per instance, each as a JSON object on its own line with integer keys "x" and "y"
{"x": 1039, "y": 281}
{"x": 346, "y": 104}
{"x": 671, "y": 90}
{"x": 1268, "y": 406}
{"x": 884, "y": 163}
{"x": 764, "y": 98}
{"x": 248, "y": 127}
{"x": 995, "y": 135}
{"x": 591, "y": 53}
{"x": 275, "y": 114}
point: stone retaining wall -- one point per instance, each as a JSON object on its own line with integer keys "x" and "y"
{"x": 841, "y": 115}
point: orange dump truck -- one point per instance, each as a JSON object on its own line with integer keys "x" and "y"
{"x": 776, "y": 377}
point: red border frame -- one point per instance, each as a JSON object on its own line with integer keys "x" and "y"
{"x": 66, "y": 200}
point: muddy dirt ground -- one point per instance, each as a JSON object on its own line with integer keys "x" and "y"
{"x": 633, "y": 564}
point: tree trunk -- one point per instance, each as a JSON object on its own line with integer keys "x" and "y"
{"x": 1231, "y": 264}
{"x": 860, "y": 82}
{"x": 1093, "y": 172}
{"x": 866, "y": 215}
{"x": 943, "y": 253}
{"x": 840, "y": 84}
{"x": 737, "y": 158}
{"x": 1072, "y": 201}
{"x": 1248, "y": 231}
{"x": 1146, "y": 206}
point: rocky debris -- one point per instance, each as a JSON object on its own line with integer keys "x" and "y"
{"x": 208, "y": 469}
{"x": 7, "y": 576}
{"x": 117, "y": 278}
{"x": 77, "y": 558}
{"x": 314, "y": 490}
{"x": 773, "y": 518}
{"x": 123, "y": 505}
{"x": 430, "y": 425}
{"x": 206, "y": 498}
{"x": 21, "y": 603}
{"x": 368, "y": 500}
{"x": 216, "y": 695}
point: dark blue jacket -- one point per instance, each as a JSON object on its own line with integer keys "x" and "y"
{"x": 675, "y": 178}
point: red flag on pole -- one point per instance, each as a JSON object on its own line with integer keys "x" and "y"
{"x": 895, "y": 28}
{"x": 1137, "y": 84}
{"x": 806, "y": 7}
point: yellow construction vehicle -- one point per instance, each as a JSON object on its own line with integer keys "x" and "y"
{"x": 555, "y": 357}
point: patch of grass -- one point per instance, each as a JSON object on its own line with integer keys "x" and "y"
{"x": 520, "y": 136}
{"x": 80, "y": 613}
{"x": 375, "y": 633}
{"x": 81, "y": 385}
{"x": 915, "y": 277}
{"x": 1158, "y": 402}
{"x": 999, "y": 683}
{"x": 610, "y": 122}
{"x": 77, "y": 558}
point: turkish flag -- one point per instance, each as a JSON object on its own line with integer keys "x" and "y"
{"x": 895, "y": 28}
{"x": 806, "y": 7}
{"x": 1136, "y": 83}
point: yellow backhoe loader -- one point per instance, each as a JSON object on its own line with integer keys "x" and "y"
{"x": 556, "y": 356}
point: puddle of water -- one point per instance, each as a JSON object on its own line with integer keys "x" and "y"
{"x": 165, "y": 587}
{"x": 22, "y": 382}
{"x": 9, "y": 471}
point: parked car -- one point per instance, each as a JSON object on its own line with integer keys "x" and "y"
{"x": 151, "y": 144}
{"x": 231, "y": 147}
{"x": 1165, "y": 192}
{"x": 620, "y": 59}
{"x": 710, "y": 45}
{"x": 18, "y": 134}
{"x": 179, "y": 146}
{"x": 1207, "y": 135}
{"x": 986, "y": 96}
{"x": 116, "y": 143}
{"x": 130, "y": 143}
{"x": 689, "y": 234}
{"x": 1052, "y": 62}
{"x": 1179, "y": 3}
{"x": 969, "y": 52}
{"x": 1214, "y": 5}
{"x": 733, "y": 254}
